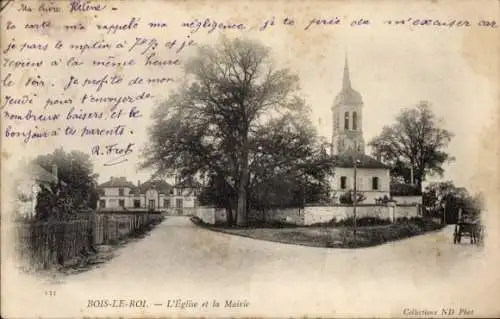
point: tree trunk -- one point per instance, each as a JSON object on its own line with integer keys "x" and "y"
{"x": 242, "y": 201}
{"x": 243, "y": 192}
{"x": 229, "y": 217}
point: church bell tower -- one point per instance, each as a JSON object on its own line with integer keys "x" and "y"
{"x": 347, "y": 118}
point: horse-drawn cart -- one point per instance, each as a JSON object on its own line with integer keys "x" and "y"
{"x": 468, "y": 227}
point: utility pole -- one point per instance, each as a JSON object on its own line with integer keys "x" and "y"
{"x": 411, "y": 174}
{"x": 355, "y": 199}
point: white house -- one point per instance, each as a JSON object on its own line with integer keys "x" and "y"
{"x": 120, "y": 194}
{"x": 372, "y": 177}
{"x": 348, "y": 146}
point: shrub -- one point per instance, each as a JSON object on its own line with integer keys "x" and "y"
{"x": 364, "y": 221}
{"x": 348, "y": 198}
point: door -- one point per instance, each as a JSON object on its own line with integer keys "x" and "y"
{"x": 151, "y": 204}
{"x": 178, "y": 203}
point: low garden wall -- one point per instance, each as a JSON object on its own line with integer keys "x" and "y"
{"x": 324, "y": 214}
{"x": 312, "y": 214}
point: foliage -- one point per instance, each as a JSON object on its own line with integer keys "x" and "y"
{"x": 376, "y": 232}
{"x": 415, "y": 140}
{"x": 239, "y": 122}
{"x": 76, "y": 187}
{"x": 382, "y": 200}
{"x": 347, "y": 198}
{"x": 439, "y": 196}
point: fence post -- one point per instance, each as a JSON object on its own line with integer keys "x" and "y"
{"x": 105, "y": 230}
{"x": 91, "y": 232}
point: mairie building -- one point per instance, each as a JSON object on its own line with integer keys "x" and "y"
{"x": 119, "y": 194}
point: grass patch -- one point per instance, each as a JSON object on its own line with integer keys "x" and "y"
{"x": 332, "y": 234}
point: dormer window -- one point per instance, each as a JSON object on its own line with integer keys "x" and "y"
{"x": 121, "y": 192}
{"x": 179, "y": 191}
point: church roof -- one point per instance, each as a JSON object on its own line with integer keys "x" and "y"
{"x": 348, "y": 96}
{"x": 346, "y": 160}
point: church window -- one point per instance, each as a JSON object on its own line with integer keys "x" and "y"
{"x": 346, "y": 120}
{"x": 375, "y": 183}
{"x": 354, "y": 120}
{"x": 343, "y": 182}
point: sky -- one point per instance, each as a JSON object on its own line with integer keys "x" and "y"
{"x": 391, "y": 67}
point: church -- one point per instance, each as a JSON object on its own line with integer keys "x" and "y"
{"x": 348, "y": 150}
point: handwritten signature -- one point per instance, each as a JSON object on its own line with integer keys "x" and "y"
{"x": 120, "y": 152}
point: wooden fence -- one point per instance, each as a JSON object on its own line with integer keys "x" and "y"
{"x": 41, "y": 245}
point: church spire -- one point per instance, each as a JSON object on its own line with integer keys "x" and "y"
{"x": 346, "y": 82}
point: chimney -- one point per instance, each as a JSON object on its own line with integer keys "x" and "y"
{"x": 138, "y": 183}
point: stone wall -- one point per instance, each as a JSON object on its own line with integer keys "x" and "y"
{"x": 323, "y": 214}
{"x": 210, "y": 215}
{"x": 288, "y": 215}
{"x": 312, "y": 214}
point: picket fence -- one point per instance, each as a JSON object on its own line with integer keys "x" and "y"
{"x": 41, "y": 245}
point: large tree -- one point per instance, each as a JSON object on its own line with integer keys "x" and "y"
{"x": 446, "y": 198}
{"x": 76, "y": 188}
{"x": 415, "y": 142}
{"x": 238, "y": 119}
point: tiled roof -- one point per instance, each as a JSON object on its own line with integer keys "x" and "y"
{"x": 115, "y": 182}
{"x": 160, "y": 185}
{"x": 362, "y": 160}
{"x": 40, "y": 174}
{"x": 188, "y": 183}
{"x": 405, "y": 190}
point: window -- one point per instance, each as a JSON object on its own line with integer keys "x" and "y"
{"x": 179, "y": 191}
{"x": 343, "y": 182}
{"x": 375, "y": 183}
{"x": 137, "y": 203}
{"x": 121, "y": 192}
{"x": 102, "y": 203}
{"x": 354, "y": 120}
{"x": 121, "y": 202}
{"x": 346, "y": 120}
{"x": 178, "y": 203}
{"x": 166, "y": 203}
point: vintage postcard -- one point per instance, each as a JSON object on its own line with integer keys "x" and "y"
{"x": 268, "y": 159}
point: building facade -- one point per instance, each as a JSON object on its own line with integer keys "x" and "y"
{"x": 373, "y": 178}
{"x": 348, "y": 149}
{"x": 154, "y": 195}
